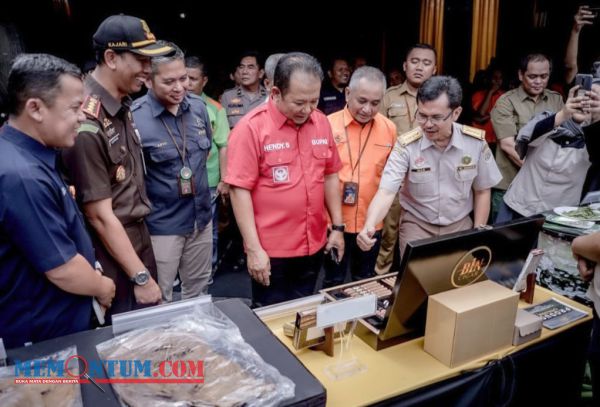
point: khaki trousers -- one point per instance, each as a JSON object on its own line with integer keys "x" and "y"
{"x": 389, "y": 235}
{"x": 413, "y": 228}
{"x": 190, "y": 255}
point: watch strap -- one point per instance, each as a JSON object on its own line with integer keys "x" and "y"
{"x": 339, "y": 228}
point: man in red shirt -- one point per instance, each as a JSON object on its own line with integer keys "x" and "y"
{"x": 282, "y": 166}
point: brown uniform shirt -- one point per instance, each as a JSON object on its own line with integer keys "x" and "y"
{"x": 399, "y": 105}
{"x": 512, "y": 111}
{"x": 106, "y": 161}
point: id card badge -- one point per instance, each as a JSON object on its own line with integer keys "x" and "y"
{"x": 186, "y": 187}
{"x": 185, "y": 182}
{"x": 350, "y": 195}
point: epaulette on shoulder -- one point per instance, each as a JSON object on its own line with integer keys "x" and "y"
{"x": 88, "y": 127}
{"x": 410, "y": 136}
{"x": 91, "y": 106}
{"x": 473, "y": 132}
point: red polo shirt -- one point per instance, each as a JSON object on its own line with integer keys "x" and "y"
{"x": 284, "y": 167}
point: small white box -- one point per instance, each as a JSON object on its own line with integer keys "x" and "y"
{"x": 528, "y": 326}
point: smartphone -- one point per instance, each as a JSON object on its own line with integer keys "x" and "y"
{"x": 585, "y": 83}
{"x": 213, "y": 197}
{"x": 333, "y": 252}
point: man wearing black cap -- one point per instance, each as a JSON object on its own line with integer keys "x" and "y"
{"x": 106, "y": 164}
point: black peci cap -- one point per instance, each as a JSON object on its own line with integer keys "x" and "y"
{"x": 127, "y": 33}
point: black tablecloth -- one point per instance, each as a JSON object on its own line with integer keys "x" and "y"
{"x": 548, "y": 373}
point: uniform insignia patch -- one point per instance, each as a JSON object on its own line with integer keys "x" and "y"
{"x": 106, "y": 122}
{"x": 114, "y": 139}
{"x": 281, "y": 174}
{"x": 466, "y": 159}
{"x": 235, "y": 111}
{"x": 487, "y": 153}
{"x": 91, "y": 106}
{"x": 419, "y": 161}
{"x": 88, "y": 127}
{"x": 337, "y": 138}
{"x": 236, "y": 100}
{"x": 474, "y": 132}
{"x": 410, "y": 136}
{"x": 120, "y": 174}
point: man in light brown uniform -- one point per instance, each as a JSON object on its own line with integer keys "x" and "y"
{"x": 513, "y": 110}
{"x": 445, "y": 170}
{"x": 400, "y": 105}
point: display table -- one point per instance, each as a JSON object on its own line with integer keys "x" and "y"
{"x": 308, "y": 390}
{"x": 558, "y": 269}
{"x": 406, "y": 374}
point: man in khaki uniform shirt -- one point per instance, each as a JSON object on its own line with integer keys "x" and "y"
{"x": 513, "y": 110}
{"x": 446, "y": 170}
{"x": 399, "y": 105}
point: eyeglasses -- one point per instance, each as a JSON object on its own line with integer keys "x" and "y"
{"x": 435, "y": 120}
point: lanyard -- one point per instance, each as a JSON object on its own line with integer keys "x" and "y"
{"x": 361, "y": 151}
{"x": 180, "y": 151}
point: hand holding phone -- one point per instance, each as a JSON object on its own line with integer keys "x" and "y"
{"x": 333, "y": 253}
{"x": 584, "y": 81}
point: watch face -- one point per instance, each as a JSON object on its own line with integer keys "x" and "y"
{"x": 142, "y": 277}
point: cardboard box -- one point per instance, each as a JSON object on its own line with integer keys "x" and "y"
{"x": 470, "y": 322}
{"x": 528, "y": 326}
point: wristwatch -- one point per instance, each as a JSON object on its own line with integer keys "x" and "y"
{"x": 339, "y": 228}
{"x": 141, "y": 277}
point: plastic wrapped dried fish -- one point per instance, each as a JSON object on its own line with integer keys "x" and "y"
{"x": 234, "y": 374}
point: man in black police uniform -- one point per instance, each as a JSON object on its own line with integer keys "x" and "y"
{"x": 106, "y": 164}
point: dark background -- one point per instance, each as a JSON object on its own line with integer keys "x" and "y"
{"x": 379, "y": 31}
